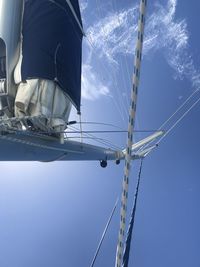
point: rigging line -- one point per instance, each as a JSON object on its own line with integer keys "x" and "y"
{"x": 128, "y": 70}
{"x": 114, "y": 131}
{"x": 44, "y": 133}
{"x": 131, "y": 124}
{"x": 126, "y": 59}
{"x": 101, "y": 123}
{"x": 132, "y": 221}
{"x": 104, "y": 141}
{"x": 51, "y": 131}
{"x": 124, "y": 110}
{"x": 121, "y": 103}
{"x": 119, "y": 108}
{"x": 123, "y": 78}
{"x": 115, "y": 126}
{"x": 105, "y": 39}
{"x": 86, "y": 132}
{"x": 124, "y": 82}
{"x": 124, "y": 98}
{"x": 104, "y": 234}
{"x": 89, "y": 138}
{"x": 179, "y": 120}
{"x": 176, "y": 111}
{"x": 78, "y": 132}
{"x": 120, "y": 99}
{"x": 179, "y": 108}
{"x": 101, "y": 142}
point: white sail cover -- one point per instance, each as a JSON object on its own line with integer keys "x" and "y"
{"x": 39, "y": 97}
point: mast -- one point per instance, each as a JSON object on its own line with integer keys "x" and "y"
{"x": 10, "y": 36}
{"x": 132, "y": 111}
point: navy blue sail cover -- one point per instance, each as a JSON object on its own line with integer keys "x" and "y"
{"x": 52, "y": 44}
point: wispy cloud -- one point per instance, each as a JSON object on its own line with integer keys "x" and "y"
{"x": 83, "y": 5}
{"x": 115, "y": 34}
{"x": 92, "y": 86}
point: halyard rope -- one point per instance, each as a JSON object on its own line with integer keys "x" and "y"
{"x": 132, "y": 110}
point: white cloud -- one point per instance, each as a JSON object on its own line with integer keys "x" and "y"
{"x": 112, "y": 34}
{"x": 92, "y": 87}
{"x": 83, "y": 5}
{"x": 116, "y": 33}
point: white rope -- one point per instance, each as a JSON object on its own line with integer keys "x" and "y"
{"x": 172, "y": 116}
{"x": 179, "y": 108}
{"x": 122, "y": 105}
{"x": 104, "y": 233}
{"x": 132, "y": 110}
{"x": 179, "y": 120}
{"x": 99, "y": 140}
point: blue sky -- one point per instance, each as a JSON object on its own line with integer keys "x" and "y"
{"x": 54, "y": 214}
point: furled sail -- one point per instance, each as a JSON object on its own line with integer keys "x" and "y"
{"x": 52, "y": 45}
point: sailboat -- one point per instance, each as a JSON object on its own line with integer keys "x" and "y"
{"x": 21, "y": 143}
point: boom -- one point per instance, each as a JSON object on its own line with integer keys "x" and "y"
{"x": 26, "y": 146}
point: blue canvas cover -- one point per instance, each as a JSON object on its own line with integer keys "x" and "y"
{"x": 52, "y": 45}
